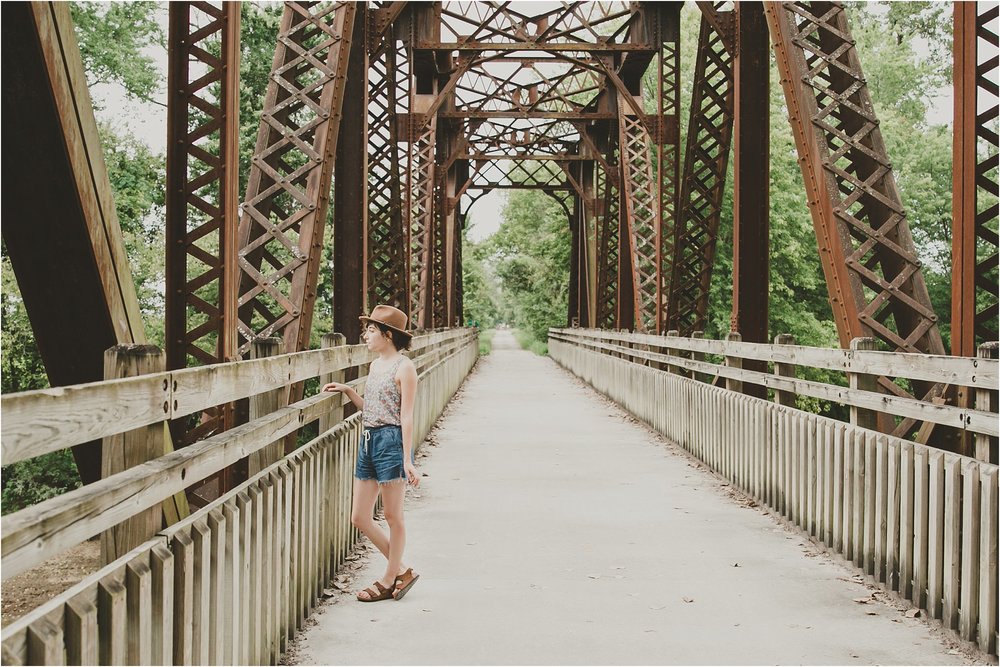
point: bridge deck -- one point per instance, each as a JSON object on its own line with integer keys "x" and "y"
{"x": 553, "y": 529}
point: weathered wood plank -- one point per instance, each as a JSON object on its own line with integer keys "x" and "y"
{"x": 971, "y": 420}
{"x": 139, "y": 594}
{"x": 161, "y": 564}
{"x": 112, "y": 619}
{"x": 201, "y": 637}
{"x": 47, "y": 420}
{"x": 988, "y": 562}
{"x": 45, "y": 643}
{"x": 933, "y": 368}
{"x": 881, "y": 507}
{"x": 81, "y": 631}
{"x": 920, "y": 526}
{"x": 906, "y": 520}
{"x": 952, "y": 541}
{"x": 182, "y": 547}
{"x": 231, "y": 576}
{"x": 935, "y": 534}
{"x": 893, "y": 504}
{"x": 969, "y": 602}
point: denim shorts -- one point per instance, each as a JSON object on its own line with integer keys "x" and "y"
{"x": 381, "y": 454}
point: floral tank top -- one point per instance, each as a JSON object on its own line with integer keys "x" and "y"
{"x": 382, "y": 398}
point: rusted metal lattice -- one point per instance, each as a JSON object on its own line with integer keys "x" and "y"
{"x": 388, "y": 235}
{"x": 873, "y": 272}
{"x": 284, "y": 212}
{"x": 202, "y": 187}
{"x": 668, "y": 154}
{"x": 640, "y": 200}
{"x": 607, "y": 250}
{"x": 706, "y": 159}
{"x": 974, "y": 199}
{"x": 420, "y": 209}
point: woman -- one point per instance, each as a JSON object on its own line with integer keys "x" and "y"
{"x": 385, "y": 459}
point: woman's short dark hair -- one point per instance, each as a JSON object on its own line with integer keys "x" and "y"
{"x": 400, "y": 340}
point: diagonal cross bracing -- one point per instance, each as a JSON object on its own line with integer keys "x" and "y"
{"x": 284, "y": 212}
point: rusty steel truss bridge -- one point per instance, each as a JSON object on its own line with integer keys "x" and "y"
{"x": 388, "y": 119}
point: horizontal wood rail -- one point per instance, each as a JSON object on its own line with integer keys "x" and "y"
{"x": 983, "y": 373}
{"x": 917, "y": 520}
{"x": 233, "y": 582}
{"x": 47, "y": 420}
{"x": 48, "y": 528}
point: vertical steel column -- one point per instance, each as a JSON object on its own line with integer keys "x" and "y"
{"x": 974, "y": 229}
{"x": 706, "y": 159}
{"x": 350, "y": 193}
{"x": 284, "y": 212}
{"x": 202, "y": 193}
{"x": 388, "y": 236}
{"x": 608, "y": 227}
{"x": 588, "y": 237}
{"x": 575, "y": 254}
{"x": 751, "y": 226}
{"x": 668, "y": 153}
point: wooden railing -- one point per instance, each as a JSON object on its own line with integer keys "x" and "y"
{"x": 918, "y": 520}
{"x": 232, "y": 582}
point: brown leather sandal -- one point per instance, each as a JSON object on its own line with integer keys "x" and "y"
{"x": 404, "y": 582}
{"x": 383, "y": 594}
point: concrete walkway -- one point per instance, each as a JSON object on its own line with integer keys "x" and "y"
{"x": 553, "y": 529}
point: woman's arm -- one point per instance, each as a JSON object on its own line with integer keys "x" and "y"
{"x": 359, "y": 402}
{"x": 407, "y": 376}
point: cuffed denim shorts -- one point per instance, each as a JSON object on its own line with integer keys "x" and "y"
{"x": 380, "y": 456}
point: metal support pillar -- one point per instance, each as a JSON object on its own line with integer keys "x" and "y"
{"x": 202, "y": 194}
{"x": 61, "y": 229}
{"x": 350, "y": 206}
{"x": 974, "y": 231}
{"x": 388, "y": 235}
{"x": 284, "y": 212}
{"x": 751, "y": 226}
{"x": 974, "y": 227}
{"x": 706, "y": 160}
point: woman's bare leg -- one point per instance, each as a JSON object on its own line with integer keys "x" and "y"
{"x": 393, "y": 495}
{"x": 365, "y": 495}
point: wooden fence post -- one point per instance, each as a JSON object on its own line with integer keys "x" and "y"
{"x": 673, "y": 333}
{"x": 336, "y": 415}
{"x": 265, "y": 403}
{"x": 125, "y": 450}
{"x": 781, "y": 397}
{"x": 986, "y": 400}
{"x": 861, "y": 416}
{"x": 734, "y": 362}
{"x": 698, "y": 356}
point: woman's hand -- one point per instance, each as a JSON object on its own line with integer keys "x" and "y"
{"x": 335, "y": 386}
{"x": 412, "y": 474}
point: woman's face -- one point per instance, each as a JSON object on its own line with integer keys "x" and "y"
{"x": 375, "y": 339}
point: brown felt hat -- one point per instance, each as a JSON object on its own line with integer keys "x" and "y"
{"x": 391, "y": 317}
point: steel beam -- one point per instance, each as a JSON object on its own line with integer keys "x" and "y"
{"x": 284, "y": 212}
{"x": 350, "y": 207}
{"x": 751, "y": 160}
{"x": 202, "y": 194}
{"x": 61, "y": 230}
{"x": 388, "y": 235}
{"x": 974, "y": 190}
{"x": 873, "y": 272}
{"x": 706, "y": 159}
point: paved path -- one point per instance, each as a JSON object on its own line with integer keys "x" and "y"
{"x": 552, "y": 529}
